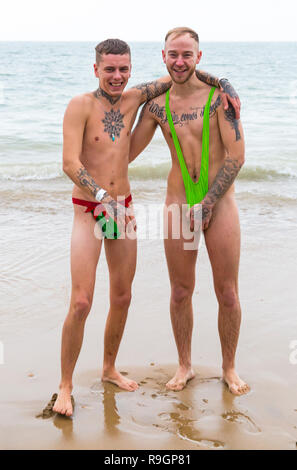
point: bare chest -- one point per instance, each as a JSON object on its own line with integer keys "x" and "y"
{"x": 106, "y": 127}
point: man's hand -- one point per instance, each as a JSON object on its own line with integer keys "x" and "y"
{"x": 118, "y": 212}
{"x": 228, "y": 93}
{"x": 200, "y": 216}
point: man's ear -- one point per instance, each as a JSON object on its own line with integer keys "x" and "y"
{"x": 164, "y": 56}
{"x": 199, "y": 57}
{"x": 96, "y": 71}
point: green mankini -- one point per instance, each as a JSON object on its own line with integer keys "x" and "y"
{"x": 195, "y": 192}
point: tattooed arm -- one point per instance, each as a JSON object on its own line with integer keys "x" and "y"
{"x": 143, "y": 132}
{"x": 75, "y": 119}
{"x": 227, "y": 91}
{"x": 233, "y": 140}
{"x": 149, "y": 90}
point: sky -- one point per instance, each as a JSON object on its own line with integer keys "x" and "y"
{"x": 147, "y": 20}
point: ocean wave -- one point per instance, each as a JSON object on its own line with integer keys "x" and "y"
{"x": 149, "y": 172}
{"x": 257, "y": 173}
{"x": 50, "y": 171}
{"x": 31, "y": 172}
{"x": 248, "y": 173}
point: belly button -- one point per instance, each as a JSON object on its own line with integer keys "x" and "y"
{"x": 111, "y": 183}
{"x": 96, "y": 138}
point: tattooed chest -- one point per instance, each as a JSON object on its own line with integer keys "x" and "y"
{"x": 113, "y": 123}
{"x": 182, "y": 117}
{"x": 108, "y": 126}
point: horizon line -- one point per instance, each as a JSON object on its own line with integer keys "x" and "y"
{"x": 150, "y": 41}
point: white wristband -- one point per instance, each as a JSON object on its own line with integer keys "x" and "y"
{"x": 100, "y": 195}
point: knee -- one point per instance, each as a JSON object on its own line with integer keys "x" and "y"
{"x": 81, "y": 307}
{"x": 181, "y": 294}
{"x": 228, "y": 297}
{"x": 121, "y": 299}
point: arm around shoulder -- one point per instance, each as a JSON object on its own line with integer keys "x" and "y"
{"x": 149, "y": 90}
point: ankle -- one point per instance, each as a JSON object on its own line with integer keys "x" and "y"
{"x": 185, "y": 366}
{"x": 227, "y": 368}
{"x": 108, "y": 369}
{"x": 66, "y": 387}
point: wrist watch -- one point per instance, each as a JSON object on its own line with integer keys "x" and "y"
{"x": 100, "y": 195}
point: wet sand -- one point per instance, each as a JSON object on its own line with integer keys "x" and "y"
{"x": 204, "y": 415}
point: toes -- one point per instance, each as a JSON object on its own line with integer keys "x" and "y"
{"x": 234, "y": 389}
{"x": 175, "y": 387}
{"x": 244, "y": 389}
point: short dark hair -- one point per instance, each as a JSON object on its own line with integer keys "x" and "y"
{"x": 111, "y": 46}
{"x": 180, "y": 31}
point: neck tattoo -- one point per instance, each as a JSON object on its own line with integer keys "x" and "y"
{"x": 109, "y": 98}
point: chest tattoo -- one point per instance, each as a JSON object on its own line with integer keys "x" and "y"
{"x": 184, "y": 118}
{"x": 113, "y": 123}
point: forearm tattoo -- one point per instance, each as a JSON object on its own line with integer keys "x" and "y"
{"x": 224, "y": 179}
{"x": 207, "y": 78}
{"x": 153, "y": 89}
{"x": 234, "y": 123}
{"x": 86, "y": 181}
{"x": 228, "y": 88}
{"x": 109, "y": 98}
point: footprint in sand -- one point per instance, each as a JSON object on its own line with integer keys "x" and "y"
{"x": 123, "y": 372}
{"x": 189, "y": 434}
{"x": 182, "y": 407}
{"x": 238, "y": 417}
{"x": 211, "y": 444}
{"x": 209, "y": 379}
{"x": 176, "y": 418}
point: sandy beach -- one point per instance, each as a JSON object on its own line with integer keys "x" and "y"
{"x": 204, "y": 415}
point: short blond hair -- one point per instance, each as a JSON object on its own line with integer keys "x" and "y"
{"x": 180, "y": 31}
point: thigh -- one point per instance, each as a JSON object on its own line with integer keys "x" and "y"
{"x": 222, "y": 240}
{"x": 85, "y": 251}
{"x": 181, "y": 261}
{"x": 121, "y": 260}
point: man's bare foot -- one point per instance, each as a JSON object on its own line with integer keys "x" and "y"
{"x": 179, "y": 381}
{"x": 234, "y": 382}
{"x": 64, "y": 403}
{"x": 118, "y": 379}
